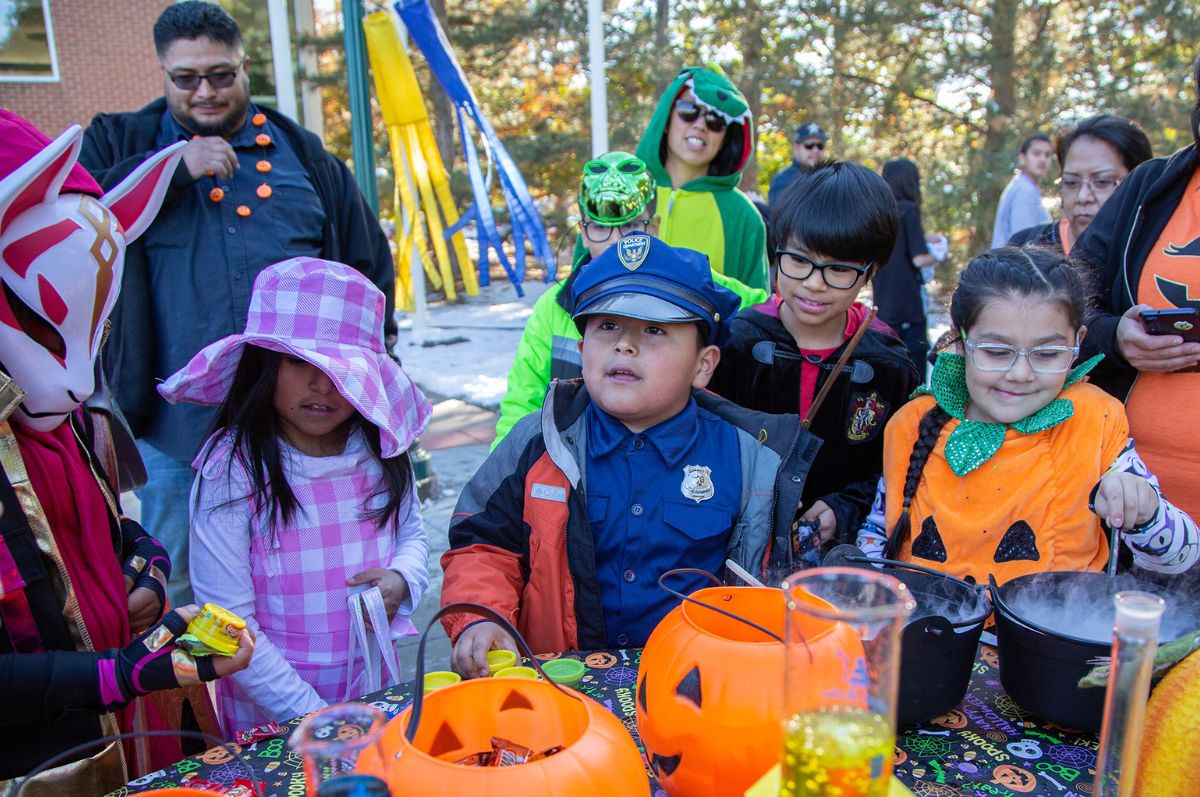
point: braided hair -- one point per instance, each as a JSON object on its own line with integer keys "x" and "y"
{"x": 928, "y": 432}
{"x": 1004, "y": 273}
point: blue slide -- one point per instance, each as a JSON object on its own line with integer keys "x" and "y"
{"x": 427, "y": 34}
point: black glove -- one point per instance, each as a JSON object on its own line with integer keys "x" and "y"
{"x": 150, "y": 663}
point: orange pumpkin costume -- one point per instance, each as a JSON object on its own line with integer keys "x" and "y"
{"x": 1025, "y": 510}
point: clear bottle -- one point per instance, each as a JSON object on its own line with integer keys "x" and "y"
{"x": 1135, "y": 641}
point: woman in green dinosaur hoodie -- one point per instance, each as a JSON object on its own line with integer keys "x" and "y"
{"x": 698, "y": 142}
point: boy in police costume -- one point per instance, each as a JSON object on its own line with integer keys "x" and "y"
{"x": 628, "y": 473}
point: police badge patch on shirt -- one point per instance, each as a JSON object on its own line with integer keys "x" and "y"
{"x": 697, "y": 483}
{"x": 867, "y": 412}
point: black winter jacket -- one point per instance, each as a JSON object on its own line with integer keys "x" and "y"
{"x": 1114, "y": 248}
{"x": 760, "y": 369}
{"x": 1039, "y": 235}
{"x": 114, "y": 145}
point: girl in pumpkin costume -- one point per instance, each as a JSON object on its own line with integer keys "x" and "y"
{"x": 1007, "y": 463}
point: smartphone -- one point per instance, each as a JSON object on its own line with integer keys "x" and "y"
{"x": 1184, "y": 322}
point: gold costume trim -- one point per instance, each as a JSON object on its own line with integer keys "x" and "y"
{"x": 185, "y": 668}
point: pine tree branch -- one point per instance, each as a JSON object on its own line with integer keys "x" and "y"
{"x": 928, "y": 101}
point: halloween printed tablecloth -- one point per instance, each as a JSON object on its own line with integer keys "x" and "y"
{"x": 986, "y": 746}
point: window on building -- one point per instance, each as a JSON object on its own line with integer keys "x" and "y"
{"x": 27, "y": 51}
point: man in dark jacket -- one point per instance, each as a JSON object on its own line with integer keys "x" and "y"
{"x": 253, "y": 189}
{"x": 808, "y": 149}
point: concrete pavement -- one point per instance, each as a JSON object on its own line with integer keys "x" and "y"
{"x": 457, "y": 439}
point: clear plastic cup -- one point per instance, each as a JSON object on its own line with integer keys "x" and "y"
{"x": 330, "y": 740}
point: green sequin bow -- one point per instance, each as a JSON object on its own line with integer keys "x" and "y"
{"x": 973, "y": 443}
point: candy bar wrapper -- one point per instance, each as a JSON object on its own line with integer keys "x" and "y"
{"x": 258, "y": 733}
{"x": 246, "y": 788}
{"x": 241, "y": 787}
{"x": 507, "y": 754}
{"x": 199, "y": 784}
{"x": 545, "y": 753}
{"x": 195, "y": 647}
{"x": 476, "y": 760}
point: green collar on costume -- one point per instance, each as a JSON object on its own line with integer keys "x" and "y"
{"x": 973, "y": 443}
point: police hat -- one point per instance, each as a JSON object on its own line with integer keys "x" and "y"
{"x": 810, "y": 130}
{"x": 642, "y": 277}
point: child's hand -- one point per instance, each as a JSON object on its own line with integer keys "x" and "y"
{"x": 469, "y": 658}
{"x": 391, "y": 585}
{"x": 821, "y": 513}
{"x": 144, "y": 609}
{"x": 1125, "y": 500}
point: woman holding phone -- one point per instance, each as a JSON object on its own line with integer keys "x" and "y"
{"x": 1143, "y": 249}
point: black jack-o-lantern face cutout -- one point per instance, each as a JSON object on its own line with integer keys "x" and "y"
{"x": 928, "y": 544}
{"x": 689, "y": 689}
{"x": 1019, "y": 543}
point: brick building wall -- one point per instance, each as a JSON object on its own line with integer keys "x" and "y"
{"x": 106, "y": 62}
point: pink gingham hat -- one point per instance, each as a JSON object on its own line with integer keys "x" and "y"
{"x": 331, "y": 316}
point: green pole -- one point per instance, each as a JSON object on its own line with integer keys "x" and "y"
{"x": 360, "y": 101}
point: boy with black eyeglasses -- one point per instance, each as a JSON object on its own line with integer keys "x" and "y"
{"x": 815, "y": 350}
{"x": 616, "y": 198}
{"x": 700, "y": 138}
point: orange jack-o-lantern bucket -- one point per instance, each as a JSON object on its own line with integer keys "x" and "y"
{"x": 710, "y": 694}
{"x": 420, "y": 746}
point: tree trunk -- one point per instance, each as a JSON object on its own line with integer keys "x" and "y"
{"x": 840, "y": 91}
{"x": 444, "y": 119}
{"x": 992, "y": 164}
{"x": 751, "y": 80}
{"x": 663, "y": 67}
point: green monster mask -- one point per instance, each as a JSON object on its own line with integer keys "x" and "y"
{"x": 615, "y": 189}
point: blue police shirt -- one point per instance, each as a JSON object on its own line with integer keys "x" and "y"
{"x": 203, "y": 259}
{"x": 652, "y": 507}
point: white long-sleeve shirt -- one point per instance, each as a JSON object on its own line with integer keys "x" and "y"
{"x": 289, "y": 585}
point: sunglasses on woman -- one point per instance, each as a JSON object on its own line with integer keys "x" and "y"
{"x": 689, "y": 112}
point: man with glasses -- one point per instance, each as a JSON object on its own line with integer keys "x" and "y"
{"x": 696, "y": 145}
{"x": 254, "y": 188}
{"x": 808, "y": 150}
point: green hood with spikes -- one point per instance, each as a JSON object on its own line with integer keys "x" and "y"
{"x": 715, "y": 91}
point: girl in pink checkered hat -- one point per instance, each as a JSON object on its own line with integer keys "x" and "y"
{"x": 304, "y": 492}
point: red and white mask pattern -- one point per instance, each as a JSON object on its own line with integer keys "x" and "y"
{"x": 61, "y": 260}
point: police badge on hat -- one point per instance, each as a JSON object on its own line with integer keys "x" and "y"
{"x": 697, "y": 483}
{"x": 632, "y": 250}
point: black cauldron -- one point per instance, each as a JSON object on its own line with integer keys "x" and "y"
{"x": 1050, "y": 626}
{"x": 938, "y": 645}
